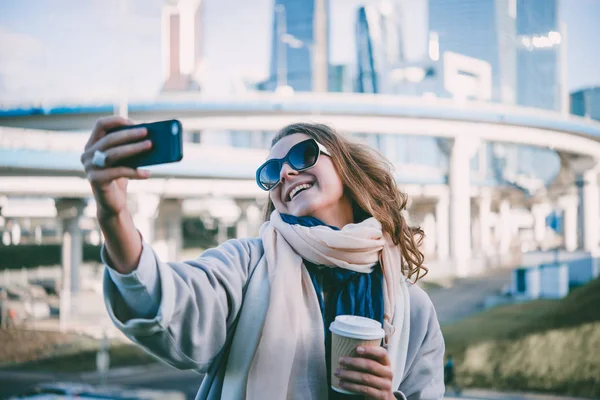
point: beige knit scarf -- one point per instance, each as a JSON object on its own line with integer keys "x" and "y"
{"x": 289, "y": 361}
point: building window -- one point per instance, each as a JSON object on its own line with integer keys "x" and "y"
{"x": 193, "y": 137}
{"x": 241, "y": 139}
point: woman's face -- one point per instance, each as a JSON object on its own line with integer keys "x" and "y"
{"x": 323, "y": 199}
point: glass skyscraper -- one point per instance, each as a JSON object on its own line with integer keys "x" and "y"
{"x": 292, "y": 48}
{"x": 378, "y": 45}
{"x": 538, "y": 58}
{"x": 586, "y": 103}
{"x": 482, "y": 29}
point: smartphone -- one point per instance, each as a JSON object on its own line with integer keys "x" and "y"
{"x": 167, "y": 144}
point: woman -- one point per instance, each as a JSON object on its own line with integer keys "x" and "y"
{"x": 253, "y": 313}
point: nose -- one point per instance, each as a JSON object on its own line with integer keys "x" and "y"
{"x": 286, "y": 171}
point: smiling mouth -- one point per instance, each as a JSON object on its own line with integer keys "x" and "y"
{"x": 298, "y": 189}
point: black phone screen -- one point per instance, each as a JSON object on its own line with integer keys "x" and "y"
{"x": 167, "y": 144}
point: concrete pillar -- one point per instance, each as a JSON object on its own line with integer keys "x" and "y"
{"x": 160, "y": 223}
{"x": 15, "y": 232}
{"x": 475, "y": 230}
{"x": 485, "y": 221}
{"x": 255, "y": 217}
{"x": 590, "y": 210}
{"x": 221, "y": 232}
{"x": 168, "y": 231}
{"x": 463, "y": 150}
{"x": 569, "y": 204}
{"x": 442, "y": 227}
{"x": 242, "y": 226}
{"x": 429, "y": 224}
{"x": 505, "y": 227}
{"x": 6, "y": 238}
{"x": 540, "y": 212}
{"x": 144, "y": 211}
{"x": 389, "y": 147}
{"x": 37, "y": 233}
{"x": 69, "y": 211}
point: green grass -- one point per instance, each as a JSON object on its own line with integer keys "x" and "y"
{"x": 429, "y": 286}
{"x": 545, "y": 345}
{"x": 122, "y": 355}
{"x": 47, "y": 351}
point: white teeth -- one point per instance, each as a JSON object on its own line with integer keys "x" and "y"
{"x": 299, "y": 188}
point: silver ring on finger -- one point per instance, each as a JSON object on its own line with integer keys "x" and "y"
{"x": 99, "y": 159}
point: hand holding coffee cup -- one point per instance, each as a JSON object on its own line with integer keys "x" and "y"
{"x": 359, "y": 365}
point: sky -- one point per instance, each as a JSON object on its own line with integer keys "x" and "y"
{"x": 75, "y": 50}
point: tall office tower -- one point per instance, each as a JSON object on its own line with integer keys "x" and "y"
{"x": 482, "y": 29}
{"x": 182, "y": 31}
{"x": 299, "y": 52}
{"x": 586, "y": 102}
{"x": 539, "y": 44}
{"x": 379, "y": 46}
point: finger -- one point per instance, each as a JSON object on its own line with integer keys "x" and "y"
{"x": 365, "y": 365}
{"x": 119, "y": 138}
{"x": 104, "y": 124}
{"x": 376, "y": 353}
{"x": 114, "y": 155}
{"x": 364, "y": 379}
{"x": 97, "y": 176}
{"x": 367, "y": 391}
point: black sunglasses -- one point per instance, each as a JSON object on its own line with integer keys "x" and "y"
{"x": 301, "y": 156}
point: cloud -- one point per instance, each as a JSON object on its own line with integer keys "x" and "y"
{"x": 20, "y": 56}
{"x": 19, "y": 45}
{"x": 95, "y": 65}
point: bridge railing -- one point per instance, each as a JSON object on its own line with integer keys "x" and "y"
{"x": 31, "y": 139}
{"x": 18, "y": 138}
{"x": 359, "y": 102}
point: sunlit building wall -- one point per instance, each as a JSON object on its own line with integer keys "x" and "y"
{"x": 379, "y": 46}
{"x": 182, "y": 31}
{"x": 293, "y": 45}
{"x": 482, "y": 29}
{"x": 538, "y": 56}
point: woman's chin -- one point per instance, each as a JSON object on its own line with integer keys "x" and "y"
{"x": 301, "y": 210}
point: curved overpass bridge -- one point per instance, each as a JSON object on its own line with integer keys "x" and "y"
{"x": 464, "y": 125}
{"x": 347, "y": 112}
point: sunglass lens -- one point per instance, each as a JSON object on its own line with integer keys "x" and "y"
{"x": 269, "y": 174}
{"x": 304, "y": 155}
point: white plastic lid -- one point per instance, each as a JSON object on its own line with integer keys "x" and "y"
{"x": 357, "y": 327}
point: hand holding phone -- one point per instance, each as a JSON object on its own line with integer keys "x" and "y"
{"x": 167, "y": 144}
{"x": 115, "y": 150}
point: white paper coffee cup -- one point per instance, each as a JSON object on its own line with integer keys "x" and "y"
{"x": 347, "y": 333}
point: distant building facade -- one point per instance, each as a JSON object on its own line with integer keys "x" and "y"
{"x": 538, "y": 54}
{"x": 379, "y": 47}
{"x": 182, "y": 34}
{"x": 481, "y": 29}
{"x": 296, "y": 30}
{"x": 586, "y": 103}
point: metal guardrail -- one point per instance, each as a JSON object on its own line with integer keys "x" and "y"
{"x": 53, "y": 141}
{"x": 56, "y": 141}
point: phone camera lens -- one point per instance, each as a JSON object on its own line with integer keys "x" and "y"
{"x": 174, "y": 128}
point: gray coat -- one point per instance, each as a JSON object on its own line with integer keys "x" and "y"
{"x": 186, "y": 314}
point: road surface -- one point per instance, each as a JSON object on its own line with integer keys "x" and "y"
{"x": 157, "y": 376}
{"x": 466, "y": 296}
{"x": 162, "y": 377}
